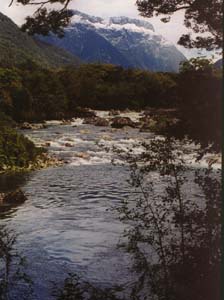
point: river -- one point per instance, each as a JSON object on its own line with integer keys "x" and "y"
{"x": 67, "y": 224}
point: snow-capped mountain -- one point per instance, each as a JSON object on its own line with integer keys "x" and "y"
{"x": 119, "y": 40}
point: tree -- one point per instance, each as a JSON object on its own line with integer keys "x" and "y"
{"x": 200, "y": 107}
{"x": 45, "y": 20}
{"x": 174, "y": 234}
{"x": 204, "y": 17}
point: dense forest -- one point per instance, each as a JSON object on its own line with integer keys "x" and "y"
{"x": 29, "y": 92}
{"x": 32, "y": 93}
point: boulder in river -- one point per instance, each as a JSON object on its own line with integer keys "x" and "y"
{"x": 68, "y": 145}
{"x": 114, "y": 112}
{"x": 12, "y": 198}
{"x": 30, "y": 126}
{"x": 85, "y": 131}
{"x": 97, "y": 121}
{"x": 83, "y": 155}
{"x": 90, "y": 120}
{"x": 82, "y": 112}
{"x": 102, "y": 122}
{"x": 120, "y": 122}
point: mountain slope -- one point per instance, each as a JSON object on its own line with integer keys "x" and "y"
{"x": 119, "y": 40}
{"x": 88, "y": 45}
{"x": 16, "y": 47}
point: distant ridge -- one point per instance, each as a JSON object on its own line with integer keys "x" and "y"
{"x": 120, "y": 40}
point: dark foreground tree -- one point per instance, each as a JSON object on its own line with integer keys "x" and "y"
{"x": 15, "y": 283}
{"x": 45, "y": 19}
{"x": 203, "y": 17}
{"x": 174, "y": 219}
{"x": 199, "y": 88}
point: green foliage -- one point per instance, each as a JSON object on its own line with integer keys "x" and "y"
{"x": 200, "y": 90}
{"x": 15, "y": 149}
{"x": 30, "y": 92}
{"x": 107, "y": 86}
{"x": 33, "y": 93}
{"x": 17, "y": 47}
{"x": 13, "y": 276}
{"x": 201, "y": 16}
{"x": 6, "y": 120}
{"x": 76, "y": 289}
{"x": 181, "y": 231}
{"x": 45, "y": 21}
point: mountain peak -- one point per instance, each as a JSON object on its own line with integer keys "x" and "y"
{"x": 79, "y": 17}
{"x": 119, "y": 40}
{"x": 126, "y": 20}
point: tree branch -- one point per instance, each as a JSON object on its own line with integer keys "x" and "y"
{"x": 10, "y": 4}
{"x": 39, "y": 3}
{"x": 182, "y": 7}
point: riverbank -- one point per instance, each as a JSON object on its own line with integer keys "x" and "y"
{"x": 43, "y": 161}
{"x": 18, "y": 153}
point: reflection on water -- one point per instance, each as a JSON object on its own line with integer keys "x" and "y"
{"x": 11, "y": 181}
{"x": 65, "y": 225}
{"x": 15, "y": 283}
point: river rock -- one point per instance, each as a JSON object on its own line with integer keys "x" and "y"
{"x": 90, "y": 120}
{"x": 120, "y": 122}
{"x": 114, "y": 112}
{"x": 83, "y": 155}
{"x": 85, "y": 131}
{"x": 82, "y": 112}
{"x": 29, "y": 126}
{"x": 97, "y": 121}
{"x": 106, "y": 137}
{"x": 68, "y": 145}
{"x": 102, "y": 122}
{"x": 12, "y": 198}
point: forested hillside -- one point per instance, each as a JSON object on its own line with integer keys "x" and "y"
{"x": 17, "y": 47}
{"x": 33, "y": 93}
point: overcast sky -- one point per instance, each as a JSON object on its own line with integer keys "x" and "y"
{"x": 108, "y": 8}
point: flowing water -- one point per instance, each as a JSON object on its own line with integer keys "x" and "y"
{"x": 67, "y": 224}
